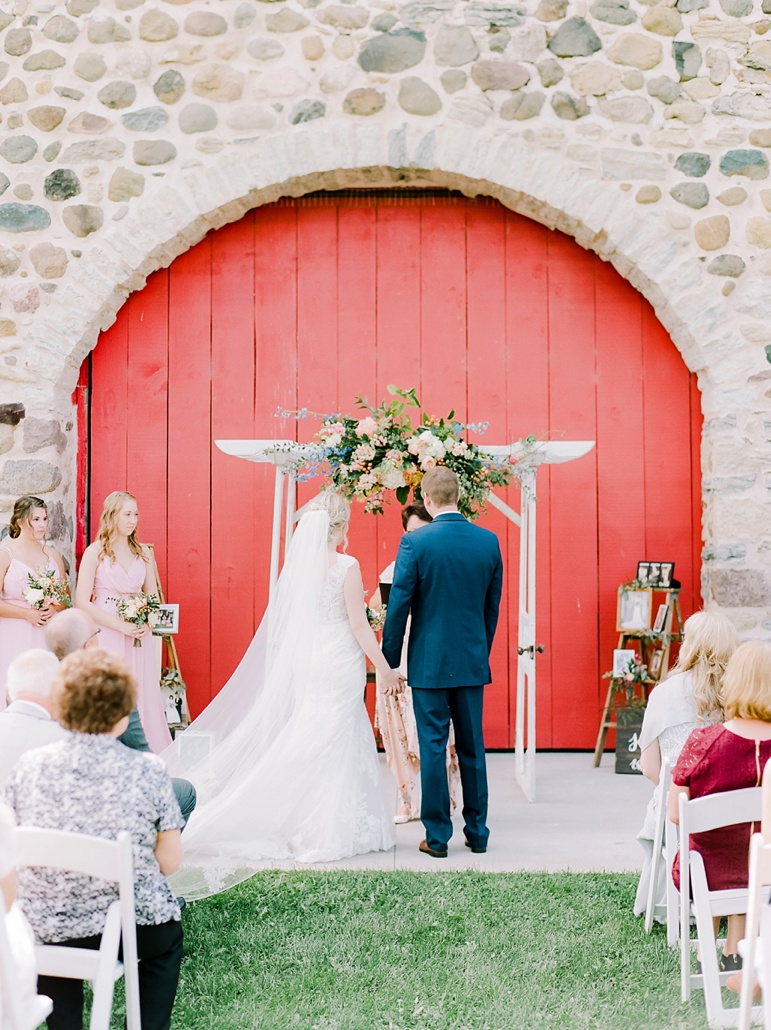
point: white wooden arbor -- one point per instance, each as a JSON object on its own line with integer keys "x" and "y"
{"x": 542, "y": 453}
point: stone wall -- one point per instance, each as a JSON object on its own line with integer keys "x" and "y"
{"x": 131, "y": 128}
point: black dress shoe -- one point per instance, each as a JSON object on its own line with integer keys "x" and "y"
{"x": 423, "y": 846}
{"x": 477, "y": 849}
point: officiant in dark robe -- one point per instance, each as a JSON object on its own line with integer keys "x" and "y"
{"x": 448, "y": 576}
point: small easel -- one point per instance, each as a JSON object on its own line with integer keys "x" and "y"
{"x": 171, "y": 648}
{"x": 649, "y": 640}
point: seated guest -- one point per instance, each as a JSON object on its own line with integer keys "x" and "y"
{"x": 688, "y": 698}
{"x": 728, "y": 757}
{"x": 89, "y": 783}
{"x": 20, "y": 939}
{"x": 73, "y": 630}
{"x": 29, "y": 720}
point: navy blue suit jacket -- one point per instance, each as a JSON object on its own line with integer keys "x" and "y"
{"x": 448, "y": 575}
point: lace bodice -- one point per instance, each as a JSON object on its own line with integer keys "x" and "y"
{"x": 672, "y": 739}
{"x": 332, "y": 601}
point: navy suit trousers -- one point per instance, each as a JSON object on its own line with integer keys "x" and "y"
{"x": 433, "y": 711}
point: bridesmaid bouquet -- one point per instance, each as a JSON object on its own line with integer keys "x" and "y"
{"x": 44, "y": 586}
{"x": 141, "y": 609}
{"x": 376, "y": 617}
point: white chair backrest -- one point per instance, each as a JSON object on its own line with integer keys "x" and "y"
{"x": 760, "y": 875}
{"x": 724, "y": 809}
{"x": 18, "y": 1011}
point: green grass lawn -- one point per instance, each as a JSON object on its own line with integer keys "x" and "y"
{"x": 413, "y": 951}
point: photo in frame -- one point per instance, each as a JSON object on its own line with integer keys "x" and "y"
{"x": 660, "y": 623}
{"x": 621, "y": 659}
{"x": 655, "y": 574}
{"x": 634, "y": 609}
{"x": 168, "y": 620}
{"x": 654, "y": 666}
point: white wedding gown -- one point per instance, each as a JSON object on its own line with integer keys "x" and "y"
{"x": 312, "y": 791}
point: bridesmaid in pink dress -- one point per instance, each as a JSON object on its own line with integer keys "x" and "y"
{"x": 116, "y": 565}
{"x": 22, "y": 627}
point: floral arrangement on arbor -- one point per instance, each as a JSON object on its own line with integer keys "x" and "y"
{"x": 383, "y": 451}
{"x": 634, "y": 672}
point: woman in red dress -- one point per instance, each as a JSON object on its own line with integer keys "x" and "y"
{"x": 729, "y": 757}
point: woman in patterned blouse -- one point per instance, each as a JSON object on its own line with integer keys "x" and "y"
{"x": 90, "y": 783}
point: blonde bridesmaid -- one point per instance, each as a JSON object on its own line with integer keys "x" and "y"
{"x": 24, "y": 553}
{"x": 117, "y": 565}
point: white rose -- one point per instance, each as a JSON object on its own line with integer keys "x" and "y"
{"x": 366, "y": 427}
{"x": 34, "y": 596}
{"x": 333, "y": 440}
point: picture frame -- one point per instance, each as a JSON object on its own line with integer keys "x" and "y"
{"x": 658, "y": 574}
{"x": 654, "y": 666}
{"x": 660, "y": 622}
{"x": 643, "y": 572}
{"x": 633, "y": 613}
{"x": 667, "y": 574}
{"x": 168, "y": 620}
{"x": 621, "y": 658}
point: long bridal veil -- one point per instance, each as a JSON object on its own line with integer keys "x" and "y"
{"x": 226, "y": 751}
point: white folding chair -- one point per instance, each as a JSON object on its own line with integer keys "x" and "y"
{"x": 758, "y": 923}
{"x": 698, "y": 816}
{"x": 18, "y": 1012}
{"x": 664, "y": 851}
{"x": 106, "y": 860}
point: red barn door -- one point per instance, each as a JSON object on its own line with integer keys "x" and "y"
{"x": 307, "y": 303}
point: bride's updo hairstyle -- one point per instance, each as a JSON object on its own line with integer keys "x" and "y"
{"x": 22, "y": 512}
{"x": 339, "y": 513}
{"x": 108, "y": 526}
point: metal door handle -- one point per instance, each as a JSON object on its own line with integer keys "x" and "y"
{"x": 531, "y": 650}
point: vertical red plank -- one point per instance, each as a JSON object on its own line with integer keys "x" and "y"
{"x": 109, "y": 415}
{"x": 234, "y": 555}
{"x": 275, "y": 333}
{"x": 668, "y": 470}
{"x": 189, "y": 489}
{"x": 620, "y": 454}
{"x": 574, "y": 527}
{"x": 356, "y": 370}
{"x": 527, "y": 396}
{"x": 82, "y": 402}
{"x": 146, "y": 398}
{"x": 697, "y": 428}
{"x": 487, "y": 366}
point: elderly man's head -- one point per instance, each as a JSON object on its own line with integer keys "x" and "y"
{"x": 31, "y": 677}
{"x": 70, "y": 630}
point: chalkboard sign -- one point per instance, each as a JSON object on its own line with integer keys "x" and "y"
{"x": 628, "y": 727}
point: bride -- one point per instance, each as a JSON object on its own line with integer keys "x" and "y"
{"x": 284, "y": 759}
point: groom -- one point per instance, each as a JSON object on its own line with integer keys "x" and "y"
{"x": 448, "y": 575}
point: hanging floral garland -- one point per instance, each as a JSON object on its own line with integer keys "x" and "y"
{"x": 366, "y": 458}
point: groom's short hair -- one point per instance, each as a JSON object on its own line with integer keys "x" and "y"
{"x": 441, "y": 485}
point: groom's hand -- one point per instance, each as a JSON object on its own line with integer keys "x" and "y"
{"x": 393, "y": 682}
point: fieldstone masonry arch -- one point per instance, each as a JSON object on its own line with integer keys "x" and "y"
{"x": 133, "y": 127}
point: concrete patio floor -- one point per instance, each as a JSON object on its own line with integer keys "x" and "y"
{"x": 584, "y": 820}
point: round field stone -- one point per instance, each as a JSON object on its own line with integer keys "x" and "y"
{"x": 154, "y": 152}
{"x": 157, "y": 27}
{"x": 663, "y": 20}
{"x": 23, "y": 191}
{"x": 751, "y": 163}
{"x": 14, "y": 92}
{"x": 550, "y": 72}
{"x": 107, "y": 30}
{"x": 169, "y": 87}
{"x": 219, "y": 82}
{"x": 9, "y": 261}
{"x": 147, "y": 119}
{"x": 264, "y": 49}
{"x": 384, "y": 22}
{"x": 197, "y": 118}
{"x": 68, "y": 93}
{"x": 307, "y": 111}
{"x": 61, "y": 184}
{"x": 726, "y": 264}
{"x": 49, "y": 261}
{"x": 89, "y": 124}
{"x": 664, "y": 89}
{"x": 107, "y": 149}
{"x": 615, "y": 12}
{"x": 693, "y": 163}
{"x": 251, "y": 116}
{"x": 44, "y": 61}
{"x": 417, "y": 97}
{"x": 636, "y": 50}
{"x": 575, "y": 38}
{"x": 125, "y": 184}
{"x": 496, "y": 74}
{"x": 46, "y": 118}
{"x": 454, "y": 46}
{"x": 61, "y": 29}
{"x": 759, "y": 232}
{"x": 51, "y": 152}
{"x": 244, "y": 16}
{"x": 29, "y": 476}
{"x": 693, "y": 194}
{"x": 313, "y": 48}
{"x": 453, "y": 80}
{"x": 521, "y": 106}
{"x": 23, "y": 217}
{"x": 18, "y": 149}
{"x": 83, "y": 219}
{"x": 648, "y": 195}
{"x": 712, "y": 233}
{"x": 364, "y": 101}
{"x": 393, "y": 52}
{"x": 569, "y": 108}
{"x": 760, "y": 137}
{"x": 17, "y": 42}
{"x": 344, "y": 17}
{"x": 205, "y": 23}
{"x": 89, "y": 67}
{"x": 118, "y": 94}
{"x": 5, "y": 182}
{"x": 687, "y": 59}
{"x": 285, "y": 20}
{"x": 736, "y": 195}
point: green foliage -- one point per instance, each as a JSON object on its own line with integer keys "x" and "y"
{"x": 416, "y": 951}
